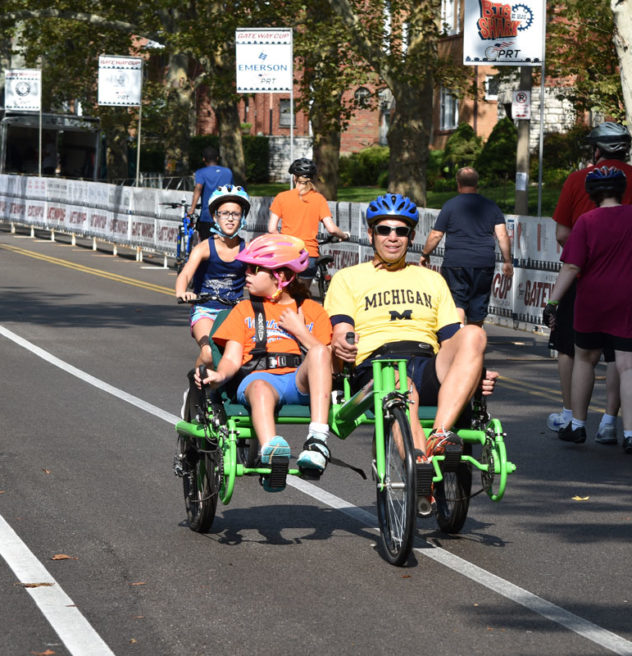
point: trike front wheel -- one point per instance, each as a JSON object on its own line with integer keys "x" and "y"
{"x": 201, "y": 484}
{"x": 396, "y": 494}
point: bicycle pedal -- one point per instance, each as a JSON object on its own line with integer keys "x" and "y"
{"x": 452, "y": 457}
{"x": 425, "y": 474}
{"x": 278, "y": 471}
{"x": 310, "y": 474}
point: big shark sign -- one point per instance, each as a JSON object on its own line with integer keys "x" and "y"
{"x": 504, "y": 33}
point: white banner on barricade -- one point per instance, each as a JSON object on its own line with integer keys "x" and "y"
{"x": 137, "y": 217}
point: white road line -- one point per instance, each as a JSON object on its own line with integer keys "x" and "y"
{"x": 604, "y": 638}
{"x": 57, "y": 607}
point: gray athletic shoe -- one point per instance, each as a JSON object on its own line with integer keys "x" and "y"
{"x": 607, "y": 434}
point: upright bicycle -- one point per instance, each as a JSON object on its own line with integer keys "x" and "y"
{"x": 188, "y": 236}
{"x": 323, "y": 265}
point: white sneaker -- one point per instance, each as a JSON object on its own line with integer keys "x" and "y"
{"x": 607, "y": 434}
{"x": 315, "y": 455}
{"x": 555, "y": 421}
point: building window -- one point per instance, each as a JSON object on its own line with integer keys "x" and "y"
{"x": 449, "y": 105}
{"x": 492, "y": 84}
{"x": 362, "y": 97}
{"x": 284, "y": 114}
{"x": 450, "y": 17}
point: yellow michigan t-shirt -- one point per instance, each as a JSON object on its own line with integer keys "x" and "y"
{"x": 411, "y": 304}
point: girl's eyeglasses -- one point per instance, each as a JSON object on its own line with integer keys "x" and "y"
{"x": 385, "y": 230}
{"x": 228, "y": 215}
{"x": 254, "y": 270}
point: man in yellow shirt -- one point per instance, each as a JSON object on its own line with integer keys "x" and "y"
{"x": 404, "y": 310}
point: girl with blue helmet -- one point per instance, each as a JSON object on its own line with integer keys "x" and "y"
{"x": 212, "y": 267}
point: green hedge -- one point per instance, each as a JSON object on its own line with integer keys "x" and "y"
{"x": 366, "y": 168}
{"x": 497, "y": 160}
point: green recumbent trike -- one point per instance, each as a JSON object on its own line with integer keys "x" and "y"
{"x": 219, "y": 445}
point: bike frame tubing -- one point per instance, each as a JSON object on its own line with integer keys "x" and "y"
{"x": 383, "y": 384}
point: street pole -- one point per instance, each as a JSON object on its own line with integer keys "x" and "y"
{"x": 521, "y": 206}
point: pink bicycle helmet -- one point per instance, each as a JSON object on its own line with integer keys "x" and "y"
{"x": 275, "y": 251}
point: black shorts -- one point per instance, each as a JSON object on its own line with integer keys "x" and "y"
{"x": 609, "y": 343}
{"x": 422, "y": 371}
{"x": 563, "y": 337}
{"x": 471, "y": 289}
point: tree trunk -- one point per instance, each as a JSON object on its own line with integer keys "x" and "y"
{"x": 180, "y": 106}
{"x": 623, "y": 42}
{"x": 408, "y": 138}
{"x": 115, "y": 125}
{"x": 231, "y": 146}
{"x": 326, "y": 149}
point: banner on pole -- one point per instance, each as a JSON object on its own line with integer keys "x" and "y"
{"x": 264, "y": 60}
{"x": 120, "y": 81}
{"x": 504, "y": 34}
{"x": 23, "y": 89}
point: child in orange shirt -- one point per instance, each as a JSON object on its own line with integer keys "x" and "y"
{"x": 293, "y": 323}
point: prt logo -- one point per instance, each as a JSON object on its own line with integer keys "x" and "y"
{"x": 501, "y": 51}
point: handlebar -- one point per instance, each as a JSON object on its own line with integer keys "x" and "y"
{"x": 329, "y": 239}
{"x": 206, "y": 298}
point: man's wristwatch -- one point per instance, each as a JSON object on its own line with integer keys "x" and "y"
{"x": 426, "y": 255}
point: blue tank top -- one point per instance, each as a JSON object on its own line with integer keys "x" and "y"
{"x": 223, "y": 279}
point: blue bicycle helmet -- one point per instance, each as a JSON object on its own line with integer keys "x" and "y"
{"x": 608, "y": 179}
{"x": 228, "y": 194}
{"x": 393, "y": 206}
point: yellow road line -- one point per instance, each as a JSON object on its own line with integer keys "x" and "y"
{"x": 95, "y": 272}
{"x": 511, "y": 383}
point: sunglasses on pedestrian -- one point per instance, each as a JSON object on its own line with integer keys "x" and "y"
{"x": 385, "y": 230}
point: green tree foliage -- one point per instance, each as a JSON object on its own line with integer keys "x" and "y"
{"x": 497, "y": 160}
{"x": 462, "y": 149}
{"x": 399, "y": 41}
{"x": 580, "y": 48}
{"x": 321, "y": 50}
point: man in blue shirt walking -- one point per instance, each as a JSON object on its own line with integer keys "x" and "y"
{"x": 207, "y": 180}
{"x": 470, "y": 222}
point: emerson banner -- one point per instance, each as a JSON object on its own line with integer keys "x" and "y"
{"x": 264, "y": 60}
{"x": 504, "y": 33}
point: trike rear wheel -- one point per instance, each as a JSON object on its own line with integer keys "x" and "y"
{"x": 452, "y": 495}
{"x": 201, "y": 484}
{"x": 396, "y": 495}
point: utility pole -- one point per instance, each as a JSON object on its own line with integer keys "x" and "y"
{"x": 521, "y": 205}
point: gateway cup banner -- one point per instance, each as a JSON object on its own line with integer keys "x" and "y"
{"x": 504, "y": 33}
{"x": 264, "y": 60}
{"x": 120, "y": 81}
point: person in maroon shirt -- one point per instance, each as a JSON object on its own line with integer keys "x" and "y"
{"x": 611, "y": 146}
{"x": 598, "y": 251}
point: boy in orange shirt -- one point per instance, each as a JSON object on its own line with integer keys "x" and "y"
{"x": 301, "y": 210}
{"x": 293, "y": 324}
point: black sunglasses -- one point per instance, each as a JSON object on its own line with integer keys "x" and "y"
{"x": 385, "y": 230}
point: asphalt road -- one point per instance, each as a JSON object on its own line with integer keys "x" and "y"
{"x": 98, "y": 558}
